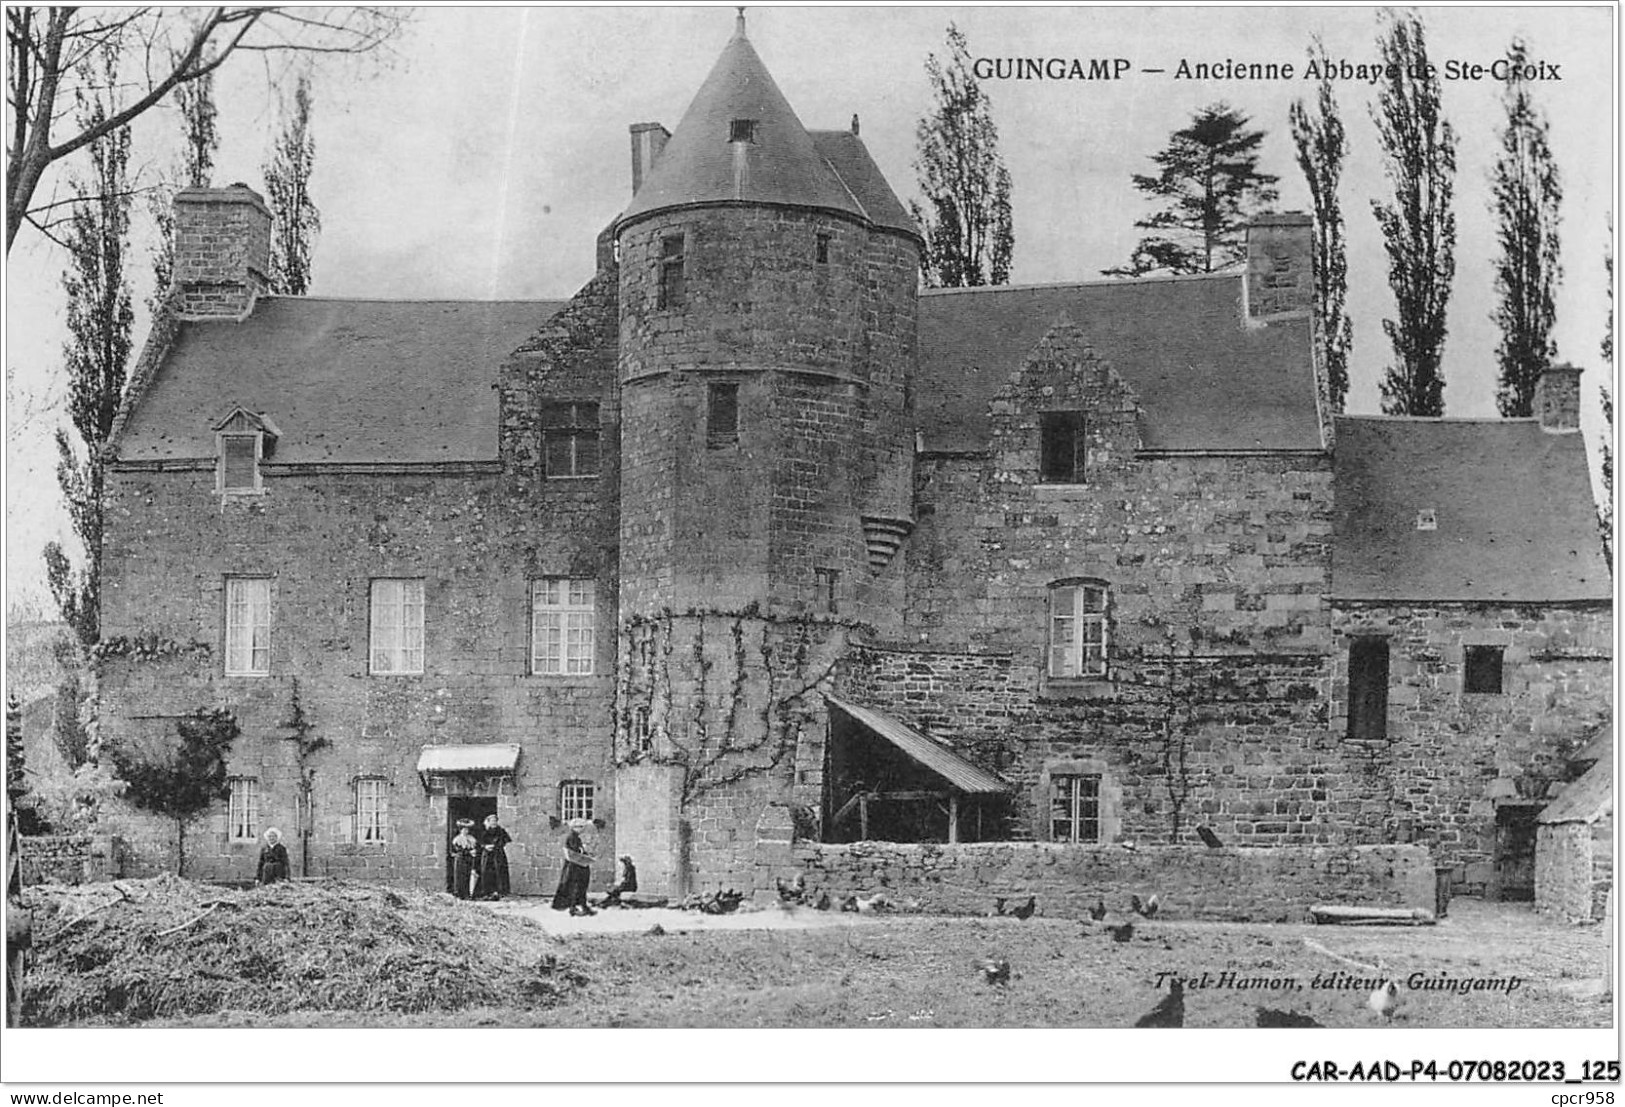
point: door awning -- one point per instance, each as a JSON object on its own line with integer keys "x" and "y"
{"x": 498, "y": 758}
{"x": 933, "y": 755}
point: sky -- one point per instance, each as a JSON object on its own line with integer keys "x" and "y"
{"x": 483, "y": 157}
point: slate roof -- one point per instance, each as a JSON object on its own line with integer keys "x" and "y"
{"x": 700, "y": 164}
{"x": 850, "y": 159}
{"x": 1515, "y": 517}
{"x": 1204, "y": 381}
{"x": 344, "y": 380}
{"x": 933, "y": 755}
{"x": 1585, "y": 800}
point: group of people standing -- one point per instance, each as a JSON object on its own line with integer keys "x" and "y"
{"x": 479, "y": 866}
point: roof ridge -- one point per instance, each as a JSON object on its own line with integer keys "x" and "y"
{"x": 416, "y": 300}
{"x": 1103, "y": 282}
{"x": 1519, "y": 420}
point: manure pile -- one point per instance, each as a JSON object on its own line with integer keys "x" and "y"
{"x": 166, "y": 947}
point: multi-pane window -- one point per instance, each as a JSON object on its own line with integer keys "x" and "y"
{"x": 397, "y": 626}
{"x": 243, "y": 809}
{"x": 576, "y": 799}
{"x": 1078, "y": 629}
{"x": 672, "y": 289}
{"x": 642, "y": 730}
{"x": 371, "y": 811}
{"x": 1074, "y": 808}
{"x": 1063, "y": 447}
{"x": 1368, "y": 688}
{"x": 721, "y": 415}
{"x": 248, "y": 626}
{"x": 562, "y": 624}
{"x": 239, "y": 463}
{"x": 1483, "y": 670}
{"x": 570, "y": 440}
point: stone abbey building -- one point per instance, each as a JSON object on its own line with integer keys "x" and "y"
{"x": 753, "y": 540}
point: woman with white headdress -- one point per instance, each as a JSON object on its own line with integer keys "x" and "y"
{"x": 273, "y": 859}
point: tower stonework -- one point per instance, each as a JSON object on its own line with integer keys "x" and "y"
{"x": 767, "y": 346}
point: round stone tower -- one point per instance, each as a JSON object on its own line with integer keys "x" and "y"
{"x": 767, "y": 295}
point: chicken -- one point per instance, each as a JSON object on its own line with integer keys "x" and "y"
{"x": 1098, "y": 911}
{"x": 1384, "y": 1000}
{"x": 1026, "y": 910}
{"x": 792, "y": 891}
{"x": 1170, "y": 1012}
{"x": 1269, "y": 1017}
{"x": 880, "y": 901}
{"x": 1146, "y": 909}
{"x": 823, "y": 901}
{"x": 998, "y": 906}
{"x": 1130, "y": 846}
{"x": 849, "y": 904}
{"x": 1122, "y": 933}
{"x": 995, "y": 972}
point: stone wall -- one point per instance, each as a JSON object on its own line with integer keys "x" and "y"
{"x": 322, "y": 538}
{"x": 71, "y": 859}
{"x": 1431, "y": 773}
{"x": 1251, "y": 885}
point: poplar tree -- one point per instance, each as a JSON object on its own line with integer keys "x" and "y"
{"x": 100, "y": 322}
{"x": 1527, "y": 191}
{"x": 287, "y": 193}
{"x": 1605, "y": 514}
{"x": 194, "y": 167}
{"x": 1322, "y": 147}
{"x": 1418, "y": 226}
{"x": 966, "y": 218}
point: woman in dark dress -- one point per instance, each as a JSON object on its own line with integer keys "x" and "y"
{"x": 572, "y": 893}
{"x": 464, "y": 849}
{"x": 273, "y": 859}
{"x": 493, "y": 860}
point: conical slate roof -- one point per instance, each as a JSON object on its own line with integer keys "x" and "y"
{"x": 701, "y": 165}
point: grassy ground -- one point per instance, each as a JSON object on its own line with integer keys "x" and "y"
{"x": 922, "y": 972}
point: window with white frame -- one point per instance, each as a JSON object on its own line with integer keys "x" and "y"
{"x": 1078, "y": 635}
{"x": 562, "y": 624}
{"x": 248, "y": 626}
{"x": 576, "y": 799}
{"x": 1074, "y": 808}
{"x": 396, "y": 640}
{"x": 371, "y": 811}
{"x": 243, "y": 809}
{"x": 642, "y": 730}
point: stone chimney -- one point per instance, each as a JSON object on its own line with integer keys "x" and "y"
{"x": 1557, "y": 399}
{"x": 222, "y": 251}
{"x": 648, "y": 140}
{"x": 1280, "y": 266}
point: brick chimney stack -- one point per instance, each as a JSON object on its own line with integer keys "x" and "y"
{"x": 1557, "y": 399}
{"x": 648, "y": 140}
{"x": 222, "y": 251}
{"x": 1280, "y": 266}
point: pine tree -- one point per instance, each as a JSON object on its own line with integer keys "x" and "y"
{"x": 1527, "y": 192}
{"x": 1321, "y": 149}
{"x": 966, "y": 218}
{"x": 1209, "y": 180}
{"x": 287, "y": 192}
{"x": 1418, "y": 228}
{"x": 100, "y": 324}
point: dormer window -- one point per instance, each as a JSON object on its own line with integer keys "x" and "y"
{"x": 742, "y": 130}
{"x": 243, "y": 440}
{"x": 1063, "y": 448}
{"x": 1427, "y": 519}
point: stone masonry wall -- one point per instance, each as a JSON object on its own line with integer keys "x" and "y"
{"x": 71, "y": 859}
{"x": 1444, "y": 745}
{"x": 1246, "y": 885}
{"x": 322, "y": 538}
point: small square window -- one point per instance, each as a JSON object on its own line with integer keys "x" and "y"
{"x": 1063, "y": 447}
{"x": 721, "y": 415}
{"x": 1427, "y": 519}
{"x": 576, "y": 799}
{"x": 1483, "y": 670}
{"x": 742, "y": 130}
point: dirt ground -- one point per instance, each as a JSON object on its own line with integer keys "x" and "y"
{"x": 806, "y": 969}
